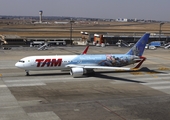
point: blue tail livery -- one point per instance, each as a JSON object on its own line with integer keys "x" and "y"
{"x": 139, "y": 47}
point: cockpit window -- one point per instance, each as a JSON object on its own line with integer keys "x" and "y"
{"x": 22, "y": 61}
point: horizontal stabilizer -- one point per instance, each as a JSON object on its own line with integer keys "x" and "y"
{"x": 140, "y": 63}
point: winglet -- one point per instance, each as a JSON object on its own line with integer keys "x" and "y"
{"x": 85, "y": 50}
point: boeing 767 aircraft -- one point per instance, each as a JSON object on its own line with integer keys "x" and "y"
{"x": 83, "y": 64}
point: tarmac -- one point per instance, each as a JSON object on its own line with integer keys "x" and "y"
{"x": 108, "y": 95}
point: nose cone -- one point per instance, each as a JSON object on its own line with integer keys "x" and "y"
{"x": 19, "y": 65}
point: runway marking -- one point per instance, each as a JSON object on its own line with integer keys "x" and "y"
{"x": 160, "y": 82}
{"x": 70, "y": 79}
{"x": 28, "y": 84}
{"x": 49, "y": 80}
{"x": 11, "y": 107}
{"x": 161, "y": 87}
{"x": 35, "y": 80}
{"x": 152, "y": 62}
{"x": 157, "y": 78}
{"x": 164, "y": 74}
{"x": 76, "y": 110}
{"x": 2, "y": 86}
{"x": 157, "y": 83}
{"x": 50, "y": 115}
{"x": 161, "y": 57}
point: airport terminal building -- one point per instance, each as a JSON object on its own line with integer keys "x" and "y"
{"x": 111, "y": 39}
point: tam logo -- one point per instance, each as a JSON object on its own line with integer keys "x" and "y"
{"x": 48, "y": 62}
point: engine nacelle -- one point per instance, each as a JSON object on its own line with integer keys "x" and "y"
{"x": 77, "y": 72}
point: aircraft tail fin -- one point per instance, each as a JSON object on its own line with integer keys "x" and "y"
{"x": 139, "y": 47}
{"x": 85, "y": 50}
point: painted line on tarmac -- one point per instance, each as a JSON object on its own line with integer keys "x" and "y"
{"x": 2, "y": 86}
{"x": 157, "y": 83}
{"x": 37, "y": 79}
{"x": 28, "y": 84}
{"x": 161, "y": 87}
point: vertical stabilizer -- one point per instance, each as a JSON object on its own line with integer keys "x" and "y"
{"x": 139, "y": 47}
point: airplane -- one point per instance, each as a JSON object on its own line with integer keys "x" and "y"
{"x": 84, "y": 64}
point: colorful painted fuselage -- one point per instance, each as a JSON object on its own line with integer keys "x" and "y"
{"x": 61, "y": 62}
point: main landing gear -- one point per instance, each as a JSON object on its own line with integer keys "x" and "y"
{"x": 27, "y": 72}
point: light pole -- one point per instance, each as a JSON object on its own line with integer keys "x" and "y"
{"x": 71, "y": 29}
{"x": 160, "y": 25}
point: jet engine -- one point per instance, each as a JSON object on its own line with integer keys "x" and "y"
{"x": 80, "y": 72}
{"x": 77, "y": 72}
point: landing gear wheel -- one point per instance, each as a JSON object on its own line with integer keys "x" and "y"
{"x": 27, "y": 73}
{"x": 90, "y": 73}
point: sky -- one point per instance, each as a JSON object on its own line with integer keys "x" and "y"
{"x": 112, "y": 9}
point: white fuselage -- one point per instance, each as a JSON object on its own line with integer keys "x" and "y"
{"x": 60, "y": 62}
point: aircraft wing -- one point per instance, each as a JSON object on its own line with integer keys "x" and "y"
{"x": 99, "y": 67}
{"x": 105, "y": 67}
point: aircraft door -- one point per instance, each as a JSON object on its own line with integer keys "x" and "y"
{"x": 31, "y": 62}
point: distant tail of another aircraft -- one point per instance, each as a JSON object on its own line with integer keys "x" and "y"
{"x": 139, "y": 47}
